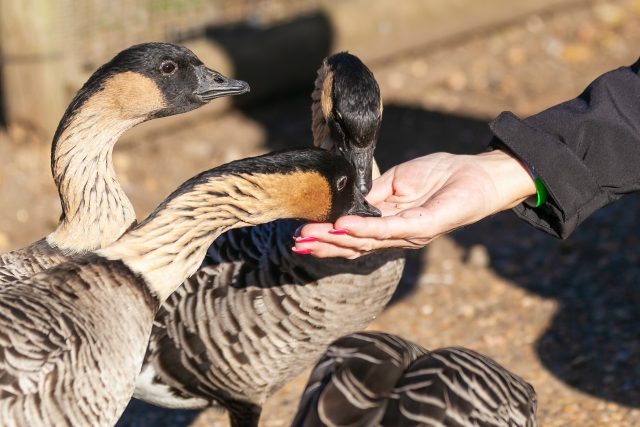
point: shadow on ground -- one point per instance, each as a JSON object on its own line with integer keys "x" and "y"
{"x": 593, "y": 341}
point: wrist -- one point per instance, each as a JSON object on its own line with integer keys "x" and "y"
{"x": 512, "y": 179}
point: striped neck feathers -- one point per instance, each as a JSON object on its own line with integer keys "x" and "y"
{"x": 171, "y": 243}
{"x": 321, "y": 106}
{"x": 95, "y": 208}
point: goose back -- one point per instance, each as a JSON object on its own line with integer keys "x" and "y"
{"x": 32, "y": 259}
{"x": 377, "y": 379}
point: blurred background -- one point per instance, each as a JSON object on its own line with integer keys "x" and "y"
{"x": 562, "y": 314}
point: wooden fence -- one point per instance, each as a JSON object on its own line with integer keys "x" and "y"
{"x": 48, "y": 47}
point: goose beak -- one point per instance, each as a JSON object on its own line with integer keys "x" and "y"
{"x": 362, "y": 161}
{"x": 212, "y": 84}
{"x": 362, "y": 208}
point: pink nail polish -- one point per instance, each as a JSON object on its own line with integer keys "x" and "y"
{"x": 301, "y": 251}
{"x": 306, "y": 239}
{"x": 338, "y": 231}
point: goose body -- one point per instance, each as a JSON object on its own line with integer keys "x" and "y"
{"x": 71, "y": 340}
{"x": 73, "y": 337}
{"x": 377, "y": 379}
{"x": 141, "y": 83}
{"x": 255, "y": 314}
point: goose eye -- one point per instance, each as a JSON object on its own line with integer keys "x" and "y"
{"x": 342, "y": 181}
{"x": 168, "y": 67}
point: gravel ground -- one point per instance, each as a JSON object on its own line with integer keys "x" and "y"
{"x": 562, "y": 314}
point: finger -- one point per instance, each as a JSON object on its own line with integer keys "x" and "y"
{"x": 314, "y": 229}
{"x": 344, "y": 240}
{"x": 345, "y": 246}
{"x": 327, "y": 250}
{"x": 383, "y": 228}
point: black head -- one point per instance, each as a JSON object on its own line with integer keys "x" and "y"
{"x": 152, "y": 80}
{"x": 355, "y": 114}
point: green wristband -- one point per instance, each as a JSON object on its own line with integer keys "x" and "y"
{"x": 541, "y": 192}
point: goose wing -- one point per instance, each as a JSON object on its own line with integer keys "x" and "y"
{"x": 458, "y": 386}
{"x": 352, "y": 382}
{"x": 26, "y": 262}
{"x": 375, "y": 379}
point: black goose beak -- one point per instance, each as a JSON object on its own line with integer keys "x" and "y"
{"x": 361, "y": 207}
{"x": 362, "y": 161}
{"x": 212, "y": 84}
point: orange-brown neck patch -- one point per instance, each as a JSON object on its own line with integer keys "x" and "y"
{"x": 325, "y": 99}
{"x": 127, "y": 96}
{"x": 304, "y": 195}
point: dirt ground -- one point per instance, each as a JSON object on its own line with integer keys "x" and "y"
{"x": 562, "y": 314}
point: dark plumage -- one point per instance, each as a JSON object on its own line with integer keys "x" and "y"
{"x": 377, "y": 379}
{"x": 356, "y": 117}
{"x": 347, "y": 111}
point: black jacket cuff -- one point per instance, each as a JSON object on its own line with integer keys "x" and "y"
{"x": 572, "y": 199}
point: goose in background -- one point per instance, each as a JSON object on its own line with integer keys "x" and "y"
{"x": 377, "y": 379}
{"x": 256, "y": 315}
{"x": 141, "y": 83}
{"x": 346, "y": 113}
{"x": 73, "y": 337}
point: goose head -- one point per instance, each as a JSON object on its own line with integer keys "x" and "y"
{"x": 346, "y": 113}
{"x": 147, "y": 81}
{"x": 310, "y": 184}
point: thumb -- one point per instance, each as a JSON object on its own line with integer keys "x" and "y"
{"x": 381, "y": 189}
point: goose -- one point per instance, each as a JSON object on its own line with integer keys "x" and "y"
{"x": 378, "y": 379}
{"x": 141, "y": 83}
{"x": 73, "y": 337}
{"x": 255, "y": 315}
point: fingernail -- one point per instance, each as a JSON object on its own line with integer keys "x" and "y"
{"x": 306, "y": 239}
{"x": 338, "y": 231}
{"x": 301, "y": 251}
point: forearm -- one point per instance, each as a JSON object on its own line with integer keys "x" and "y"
{"x": 512, "y": 182}
{"x": 586, "y": 150}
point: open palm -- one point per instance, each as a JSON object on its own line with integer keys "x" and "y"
{"x": 420, "y": 200}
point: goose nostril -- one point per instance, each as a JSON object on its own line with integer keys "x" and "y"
{"x": 364, "y": 188}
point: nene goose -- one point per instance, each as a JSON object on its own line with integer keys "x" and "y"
{"x": 376, "y": 379}
{"x": 255, "y": 315}
{"x": 143, "y": 82}
{"x": 73, "y": 337}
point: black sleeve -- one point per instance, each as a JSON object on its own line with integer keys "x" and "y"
{"x": 586, "y": 151}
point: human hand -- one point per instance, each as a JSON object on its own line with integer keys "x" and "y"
{"x": 421, "y": 200}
